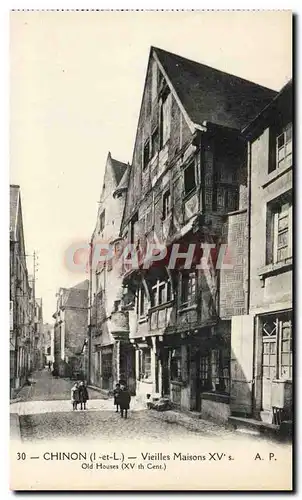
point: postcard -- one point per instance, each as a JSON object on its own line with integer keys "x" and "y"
{"x": 151, "y": 206}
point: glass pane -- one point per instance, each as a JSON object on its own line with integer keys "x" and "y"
{"x": 265, "y": 371}
{"x": 282, "y": 254}
{"x": 273, "y": 347}
{"x": 288, "y": 148}
{"x": 272, "y": 373}
{"x": 285, "y": 346}
{"x": 283, "y": 239}
{"x": 280, "y": 141}
{"x": 289, "y": 132}
{"x": 265, "y": 348}
{"x": 285, "y": 359}
{"x": 281, "y": 163}
{"x": 265, "y": 359}
{"x": 281, "y": 153}
{"x": 272, "y": 360}
{"x": 285, "y": 372}
{"x": 282, "y": 223}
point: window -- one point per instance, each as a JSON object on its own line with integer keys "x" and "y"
{"x": 176, "y": 364}
{"x": 166, "y": 204}
{"x": 280, "y": 147}
{"x": 145, "y": 356}
{"x": 165, "y": 118}
{"x": 189, "y": 178}
{"x": 102, "y": 221}
{"x": 205, "y": 372}
{"x": 161, "y": 293}
{"x": 277, "y": 347}
{"x": 141, "y": 303}
{"x": 154, "y": 142}
{"x": 284, "y": 147}
{"x": 146, "y": 155}
{"x": 279, "y": 229}
{"x": 188, "y": 285}
{"x": 220, "y": 370}
{"x": 133, "y": 228}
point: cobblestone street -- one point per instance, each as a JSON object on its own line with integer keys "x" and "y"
{"x": 45, "y": 412}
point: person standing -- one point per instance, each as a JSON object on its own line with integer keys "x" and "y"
{"x": 75, "y": 396}
{"x": 83, "y": 395}
{"x": 49, "y": 366}
{"x": 116, "y": 395}
{"x": 124, "y": 400}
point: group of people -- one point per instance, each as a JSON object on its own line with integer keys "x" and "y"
{"x": 79, "y": 395}
{"x": 122, "y": 398}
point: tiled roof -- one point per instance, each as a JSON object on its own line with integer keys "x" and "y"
{"x": 119, "y": 169}
{"x": 123, "y": 185}
{"x": 208, "y": 94}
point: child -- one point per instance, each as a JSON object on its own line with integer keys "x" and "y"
{"x": 116, "y": 394}
{"x": 83, "y": 395}
{"x": 124, "y": 400}
{"x": 75, "y": 396}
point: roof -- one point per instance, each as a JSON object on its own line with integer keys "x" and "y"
{"x": 13, "y": 205}
{"x": 119, "y": 169}
{"x": 77, "y": 296}
{"x": 123, "y": 185}
{"x": 211, "y": 95}
{"x": 283, "y": 98}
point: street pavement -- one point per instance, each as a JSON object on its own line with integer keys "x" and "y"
{"x": 45, "y": 413}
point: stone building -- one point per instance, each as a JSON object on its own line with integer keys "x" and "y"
{"x": 48, "y": 342}
{"x": 188, "y": 184}
{"x": 21, "y": 298}
{"x": 111, "y": 354}
{"x": 39, "y": 355}
{"x": 70, "y": 329}
{"x": 262, "y": 339}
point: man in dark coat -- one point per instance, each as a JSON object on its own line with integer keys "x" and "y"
{"x": 124, "y": 400}
{"x": 83, "y": 395}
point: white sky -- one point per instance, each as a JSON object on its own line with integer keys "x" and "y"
{"x": 76, "y": 86}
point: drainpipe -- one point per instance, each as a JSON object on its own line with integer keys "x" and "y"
{"x": 90, "y": 312}
{"x": 249, "y": 187}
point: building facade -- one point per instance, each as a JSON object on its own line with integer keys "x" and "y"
{"x": 21, "y": 299}
{"x": 48, "y": 347}
{"x": 70, "y": 330}
{"x": 111, "y": 356}
{"x": 188, "y": 185}
{"x": 262, "y": 342}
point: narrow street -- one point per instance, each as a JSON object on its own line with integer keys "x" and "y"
{"x": 45, "y": 414}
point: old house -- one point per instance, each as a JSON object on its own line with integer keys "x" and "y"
{"x": 70, "y": 329}
{"x": 188, "y": 184}
{"x": 21, "y": 298}
{"x": 262, "y": 339}
{"x": 111, "y": 354}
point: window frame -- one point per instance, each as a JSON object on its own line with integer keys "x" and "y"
{"x": 188, "y": 274}
{"x": 191, "y": 164}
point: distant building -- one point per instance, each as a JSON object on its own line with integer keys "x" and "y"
{"x": 48, "y": 342}
{"x": 112, "y": 357}
{"x": 21, "y": 299}
{"x": 39, "y": 355}
{"x": 70, "y": 329}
